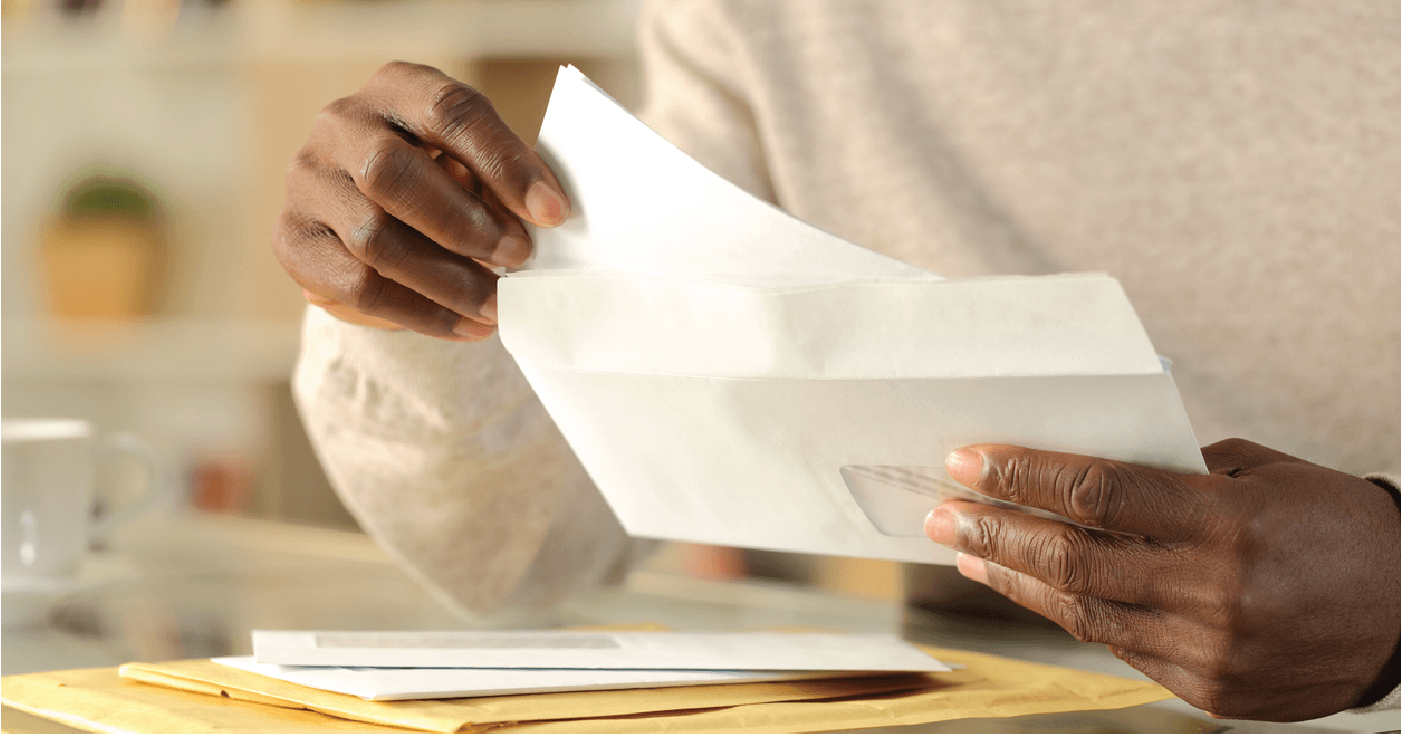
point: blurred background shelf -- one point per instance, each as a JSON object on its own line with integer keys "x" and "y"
{"x": 198, "y": 106}
{"x": 146, "y": 34}
{"x": 152, "y": 351}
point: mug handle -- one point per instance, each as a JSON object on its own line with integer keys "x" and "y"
{"x": 128, "y": 444}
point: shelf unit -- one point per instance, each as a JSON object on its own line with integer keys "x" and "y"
{"x": 259, "y": 31}
{"x": 209, "y": 105}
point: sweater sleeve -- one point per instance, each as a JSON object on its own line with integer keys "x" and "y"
{"x": 444, "y": 455}
{"x": 442, "y": 451}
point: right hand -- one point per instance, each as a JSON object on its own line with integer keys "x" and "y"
{"x": 407, "y": 194}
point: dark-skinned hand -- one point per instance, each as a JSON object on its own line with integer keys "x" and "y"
{"x": 406, "y": 196}
{"x": 1267, "y": 589}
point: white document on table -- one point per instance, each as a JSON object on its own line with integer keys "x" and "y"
{"x": 674, "y": 651}
{"x": 715, "y": 362}
{"x": 399, "y": 684}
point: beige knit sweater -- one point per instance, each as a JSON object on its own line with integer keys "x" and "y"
{"x": 1237, "y": 165}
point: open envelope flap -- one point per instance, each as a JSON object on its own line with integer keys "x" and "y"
{"x": 1079, "y": 324}
{"x": 613, "y": 167}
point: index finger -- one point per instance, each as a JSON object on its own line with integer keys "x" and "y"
{"x": 1100, "y": 493}
{"x": 461, "y": 122}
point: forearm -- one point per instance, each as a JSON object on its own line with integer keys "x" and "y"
{"x": 446, "y": 458}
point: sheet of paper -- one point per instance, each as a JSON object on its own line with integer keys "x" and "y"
{"x": 724, "y": 651}
{"x": 715, "y": 362}
{"x": 401, "y": 684}
{"x": 638, "y": 202}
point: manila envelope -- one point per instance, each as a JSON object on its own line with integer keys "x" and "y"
{"x": 193, "y": 696}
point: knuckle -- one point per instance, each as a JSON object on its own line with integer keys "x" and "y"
{"x": 1014, "y": 478}
{"x": 399, "y": 69}
{"x": 1232, "y": 447}
{"x": 1089, "y": 493}
{"x": 1235, "y": 444}
{"x": 308, "y": 184}
{"x": 295, "y": 244}
{"x": 1063, "y": 564}
{"x": 395, "y": 69}
{"x": 338, "y": 111}
{"x": 286, "y": 230}
{"x": 479, "y": 219}
{"x": 1229, "y": 455}
{"x": 456, "y": 109}
{"x": 388, "y": 167}
{"x": 367, "y": 290}
{"x": 981, "y": 536}
{"x": 336, "y": 118}
{"x": 305, "y": 164}
{"x": 295, "y": 232}
{"x": 1073, "y": 613}
{"x": 368, "y": 239}
{"x": 287, "y": 241}
{"x": 497, "y": 158}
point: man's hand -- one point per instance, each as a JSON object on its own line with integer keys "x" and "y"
{"x": 1268, "y": 589}
{"x": 406, "y": 195}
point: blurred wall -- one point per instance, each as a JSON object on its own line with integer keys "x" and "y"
{"x": 203, "y": 104}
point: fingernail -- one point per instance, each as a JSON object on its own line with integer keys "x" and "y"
{"x": 471, "y": 330}
{"x": 973, "y": 568}
{"x": 547, "y": 208}
{"x": 965, "y": 466}
{"x": 941, "y": 525}
{"x": 488, "y": 309}
{"x": 511, "y": 250}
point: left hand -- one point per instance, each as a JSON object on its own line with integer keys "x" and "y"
{"x": 1268, "y": 589}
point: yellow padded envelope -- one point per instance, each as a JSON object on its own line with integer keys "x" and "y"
{"x": 198, "y": 696}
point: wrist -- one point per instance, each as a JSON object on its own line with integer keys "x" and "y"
{"x": 1388, "y": 682}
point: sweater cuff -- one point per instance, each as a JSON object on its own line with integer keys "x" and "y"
{"x": 1390, "y": 481}
{"x": 1391, "y": 702}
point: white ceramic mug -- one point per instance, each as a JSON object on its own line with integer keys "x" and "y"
{"x": 48, "y": 494}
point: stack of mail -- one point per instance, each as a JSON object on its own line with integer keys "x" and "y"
{"x": 729, "y": 374}
{"x": 415, "y": 665}
{"x": 194, "y": 696}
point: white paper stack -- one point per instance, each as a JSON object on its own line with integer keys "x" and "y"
{"x": 407, "y": 665}
{"x": 715, "y": 362}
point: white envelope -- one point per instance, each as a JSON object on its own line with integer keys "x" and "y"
{"x": 399, "y": 684}
{"x": 554, "y": 649}
{"x": 715, "y": 362}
